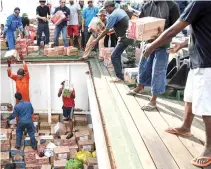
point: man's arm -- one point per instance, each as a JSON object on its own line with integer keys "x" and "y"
{"x": 49, "y": 14}
{"x": 73, "y": 94}
{"x": 25, "y": 68}
{"x": 61, "y": 89}
{"x": 8, "y": 23}
{"x": 14, "y": 114}
{"x": 9, "y": 72}
{"x": 20, "y": 25}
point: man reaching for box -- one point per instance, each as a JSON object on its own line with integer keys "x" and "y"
{"x": 68, "y": 96}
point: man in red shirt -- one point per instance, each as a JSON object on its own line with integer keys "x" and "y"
{"x": 68, "y": 106}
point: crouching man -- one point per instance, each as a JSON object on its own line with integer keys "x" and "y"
{"x": 68, "y": 96}
{"x": 23, "y": 110}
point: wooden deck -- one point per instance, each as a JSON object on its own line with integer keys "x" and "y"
{"x": 137, "y": 139}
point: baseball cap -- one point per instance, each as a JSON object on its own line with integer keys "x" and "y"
{"x": 17, "y": 9}
{"x": 108, "y": 3}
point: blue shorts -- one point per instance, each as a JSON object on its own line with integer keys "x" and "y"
{"x": 68, "y": 112}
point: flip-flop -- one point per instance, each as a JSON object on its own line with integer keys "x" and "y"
{"x": 149, "y": 107}
{"x": 175, "y": 131}
{"x": 133, "y": 93}
{"x": 204, "y": 164}
{"x": 116, "y": 80}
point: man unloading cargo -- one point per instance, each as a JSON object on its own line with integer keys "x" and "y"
{"x": 23, "y": 110}
{"x": 62, "y": 27}
{"x": 68, "y": 96}
{"x": 21, "y": 80}
{"x": 43, "y": 12}
{"x": 13, "y": 22}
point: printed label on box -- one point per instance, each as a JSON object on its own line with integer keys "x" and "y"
{"x": 87, "y": 147}
{"x": 62, "y": 156}
{"x": 83, "y": 138}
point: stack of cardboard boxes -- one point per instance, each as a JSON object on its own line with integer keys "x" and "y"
{"x": 54, "y": 133}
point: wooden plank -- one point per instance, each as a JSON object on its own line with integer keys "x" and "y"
{"x": 127, "y": 124}
{"x": 159, "y": 153}
{"x": 197, "y": 129}
{"x": 178, "y": 151}
{"x": 117, "y": 140}
{"x": 133, "y": 136}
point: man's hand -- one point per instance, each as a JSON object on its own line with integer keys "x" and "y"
{"x": 94, "y": 42}
{"x": 177, "y": 47}
{"x": 44, "y": 19}
{"x": 147, "y": 51}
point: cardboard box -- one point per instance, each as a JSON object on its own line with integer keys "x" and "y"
{"x": 12, "y": 55}
{"x": 61, "y": 152}
{"x": 3, "y": 44}
{"x": 15, "y": 151}
{"x": 5, "y": 148}
{"x": 33, "y": 50}
{"x": 80, "y": 120}
{"x": 45, "y": 126}
{"x": 130, "y": 75}
{"x": 145, "y": 28}
{"x": 82, "y": 128}
{"x": 36, "y": 117}
{"x": 29, "y": 155}
{"x": 41, "y": 160}
{"x": 68, "y": 142}
{"x": 33, "y": 166}
{"x": 4, "y": 158}
{"x": 91, "y": 161}
{"x": 51, "y": 52}
{"x": 60, "y": 50}
{"x": 44, "y": 132}
{"x": 45, "y": 139}
{"x": 4, "y": 135}
{"x": 60, "y": 164}
{"x": 46, "y": 167}
{"x": 72, "y": 51}
{"x": 73, "y": 150}
{"x": 43, "y": 117}
{"x": 13, "y": 142}
{"x": 55, "y": 118}
{"x": 58, "y": 17}
{"x": 83, "y": 135}
{"x": 86, "y": 145}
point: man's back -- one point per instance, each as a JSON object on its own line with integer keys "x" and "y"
{"x": 23, "y": 111}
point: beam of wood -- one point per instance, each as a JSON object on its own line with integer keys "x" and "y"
{"x": 133, "y": 136}
{"x": 119, "y": 148}
{"x": 158, "y": 151}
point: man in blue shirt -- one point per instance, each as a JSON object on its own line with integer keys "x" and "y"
{"x": 62, "y": 27}
{"x": 13, "y": 22}
{"x": 23, "y": 110}
{"x": 119, "y": 21}
{"x": 88, "y": 14}
{"x": 197, "y": 91}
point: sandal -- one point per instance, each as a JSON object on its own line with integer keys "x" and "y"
{"x": 149, "y": 107}
{"x": 175, "y": 131}
{"x": 116, "y": 80}
{"x": 133, "y": 92}
{"x": 205, "y": 161}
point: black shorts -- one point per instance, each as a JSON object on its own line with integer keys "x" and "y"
{"x": 68, "y": 112}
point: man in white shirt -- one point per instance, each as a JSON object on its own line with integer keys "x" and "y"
{"x": 73, "y": 24}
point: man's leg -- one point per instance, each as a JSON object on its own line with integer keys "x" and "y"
{"x": 64, "y": 35}
{"x": 159, "y": 69}
{"x": 113, "y": 40}
{"x": 70, "y": 115}
{"x": 144, "y": 74}
{"x": 88, "y": 48}
{"x": 31, "y": 131}
{"x": 100, "y": 46}
{"x": 47, "y": 33}
{"x": 11, "y": 39}
{"x": 185, "y": 128}
{"x": 77, "y": 35}
{"x": 39, "y": 33}
{"x": 19, "y": 134}
{"x": 56, "y": 35}
{"x": 116, "y": 59}
{"x": 86, "y": 34}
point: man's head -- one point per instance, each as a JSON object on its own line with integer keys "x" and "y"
{"x": 18, "y": 96}
{"x": 90, "y": 3}
{"x": 102, "y": 14}
{"x": 109, "y": 6}
{"x": 42, "y": 2}
{"x": 16, "y": 11}
{"x": 71, "y": 2}
{"x": 81, "y": 2}
{"x": 62, "y": 3}
{"x": 20, "y": 73}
